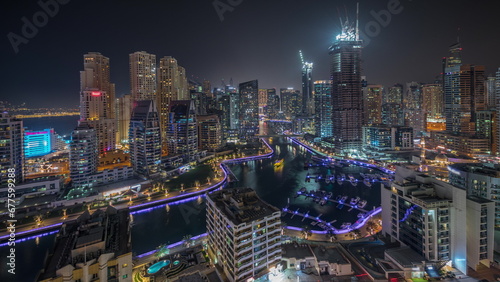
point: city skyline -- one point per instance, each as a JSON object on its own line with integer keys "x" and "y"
{"x": 213, "y": 49}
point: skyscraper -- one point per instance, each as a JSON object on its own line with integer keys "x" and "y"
{"x": 142, "y": 76}
{"x": 273, "y": 103}
{"x": 497, "y": 107}
{"x": 209, "y": 133}
{"x": 11, "y": 149}
{"x": 123, "y": 112}
{"x": 290, "y": 102}
{"x": 433, "y": 98}
{"x": 394, "y": 94}
{"x": 249, "y": 109}
{"x": 323, "y": 105}
{"x": 182, "y": 130}
{"x": 83, "y": 155}
{"x": 464, "y": 95}
{"x": 172, "y": 85}
{"x": 490, "y": 86}
{"x": 347, "y": 96}
{"x": 145, "y": 138}
{"x": 373, "y": 104}
{"x": 97, "y": 98}
{"x": 415, "y": 116}
{"x": 307, "y": 87}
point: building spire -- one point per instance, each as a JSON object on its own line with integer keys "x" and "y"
{"x": 357, "y": 21}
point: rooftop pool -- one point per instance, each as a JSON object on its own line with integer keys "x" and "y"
{"x": 157, "y": 266}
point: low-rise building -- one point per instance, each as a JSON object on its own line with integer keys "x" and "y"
{"x": 95, "y": 247}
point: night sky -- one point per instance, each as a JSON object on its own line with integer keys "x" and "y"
{"x": 256, "y": 40}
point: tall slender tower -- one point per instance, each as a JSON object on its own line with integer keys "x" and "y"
{"x": 97, "y": 98}
{"x": 249, "y": 109}
{"x": 145, "y": 138}
{"x": 142, "y": 76}
{"x": 347, "y": 95}
{"x": 323, "y": 104}
{"x": 307, "y": 87}
{"x": 182, "y": 130}
{"x": 83, "y": 155}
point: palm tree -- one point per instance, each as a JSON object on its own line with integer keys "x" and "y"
{"x": 331, "y": 236}
{"x": 283, "y": 227}
{"x": 356, "y": 233}
{"x": 306, "y": 231}
{"x": 187, "y": 240}
{"x": 371, "y": 227}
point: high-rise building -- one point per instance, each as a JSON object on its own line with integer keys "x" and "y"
{"x": 433, "y": 98}
{"x": 97, "y": 98}
{"x": 142, "y": 76}
{"x": 490, "y": 86}
{"x": 323, "y": 108}
{"x": 209, "y": 133}
{"x": 394, "y": 94}
{"x": 415, "y": 116}
{"x": 347, "y": 95}
{"x": 497, "y": 108}
{"x": 123, "y": 112}
{"x": 290, "y": 102}
{"x": 373, "y": 104}
{"x": 172, "y": 86}
{"x": 485, "y": 128}
{"x": 392, "y": 114}
{"x": 145, "y": 138}
{"x": 455, "y": 59}
{"x": 96, "y": 76}
{"x": 182, "y": 130}
{"x": 307, "y": 87}
{"x": 244, "y": 233}
{"x": 262, "y": 101}
{"x": 38, "y": 143}
{"x": 11, "y": 149}
{"x": 249, "y": 109}
{"x": 207, "y": 89}
{"x": 273, "y": 103}
{"x": 224, "y": 110}
{"x": 83, "y": 155}
{"x": 438, "y": 220}
{"x": 464, "y": 96}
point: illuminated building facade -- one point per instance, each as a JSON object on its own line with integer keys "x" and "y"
{"x": 273, "y": 103}
{"x": 415, "y": 117}
{"x": 392, "y": 114}
{"x": 262, "y": 101}
{"x": 438, "y": 220}
{"x": 83, "y": 154}
{"x": 433, "y": 98}
{"x": 373, "y": 104}
{"x": 145, "y": 138}
{"x": 38, "y": 143}
{"x": 486, "y": 129}
{"x": 383, "y": 137}
{"x": 248, "y": 110}
{"x": 394, "y": 94}
{"x": 290, "y": 102}
{"x": 172, "y": 86}
{"x": 97, "y": 98}
{"x": 123, "y": 112}
{"x": 209, "y": 133}
{"x": 142, "y": 76}
{"x": 464, "y": 96}
{"x": 11, "y": 149}
{"x": 244, "y": 233}
{"x": 182, "y": 130}
{"x": 323, "y": 108}
{"x": 347, "y": 95}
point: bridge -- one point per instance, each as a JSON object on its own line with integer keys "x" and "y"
{"x": 279, "y": 135}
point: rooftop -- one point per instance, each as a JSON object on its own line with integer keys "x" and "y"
{"x": 405, "y": 256}
{"x": 241, "y": 205}
{"x": 478, "y": 199}
{"x": 294, "y": 250}
{"x": 332, "y": 255}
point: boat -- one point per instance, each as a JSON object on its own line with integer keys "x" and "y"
{"x": 327, "y": 179}
{"x": 322, "y": 202}
{"x": 362, "y": 204}
{"x": 345, "y": 225}
{"x": 302, "y": 190}
{"x": 367, "y": 182}
{"x": 354, "y": 201}
{"x": 343, "y": 199}
{"x": 342, "y": 176}
{"x": 279, "y": 162}
{"x": 361, "y": 214}
{"x": 362, "y": 175}
{"x": 339, "y": 180}
{"x": 330, "y": 195}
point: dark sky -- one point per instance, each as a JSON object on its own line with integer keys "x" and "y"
{"x": 258, "y": 39}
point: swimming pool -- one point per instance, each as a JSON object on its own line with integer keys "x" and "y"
{"x": 157, "y": 266}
